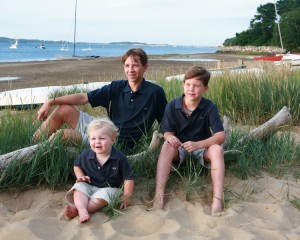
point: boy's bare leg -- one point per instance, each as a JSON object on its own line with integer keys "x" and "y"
{"x": 215, "y": 154}
{"x": 60, "y": 115}
{"x": 167, "y": 154}
{"x": 81, "y": 202}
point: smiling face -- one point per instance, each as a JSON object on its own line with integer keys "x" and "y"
{"x": 101, "y": 141}
{"x": 194, "y": 89}
{"x": 134, "y": 70}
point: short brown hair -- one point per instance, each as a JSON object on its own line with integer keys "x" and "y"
{"x": 198, "y": 72}
{"x": 138, "y": 54}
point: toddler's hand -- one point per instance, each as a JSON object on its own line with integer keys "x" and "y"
{"x": 84, "y": 179}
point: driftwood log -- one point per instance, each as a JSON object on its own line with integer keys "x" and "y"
{"x": 281, "y": 119}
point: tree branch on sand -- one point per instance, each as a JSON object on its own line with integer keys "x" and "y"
{"x": 281, "y": 119}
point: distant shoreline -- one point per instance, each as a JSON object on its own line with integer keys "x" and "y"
{"x": 73, "y": 71}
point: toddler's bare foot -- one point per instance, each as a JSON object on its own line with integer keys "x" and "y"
{"x": 71, "y": 211}
{"x": 84, "y": 219}
{"x": 83, "y": 216}
{"x": 216, "y": 206}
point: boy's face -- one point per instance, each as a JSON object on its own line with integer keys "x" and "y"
{"x": 100, "y": 141}
{"x": 194, "y": 89}
{"x": 134, "y": 70}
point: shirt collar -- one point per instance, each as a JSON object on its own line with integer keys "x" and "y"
{"x": 141, "y": 90}
{"x": 113, "y": 154}
{"x": 179, "y": 103}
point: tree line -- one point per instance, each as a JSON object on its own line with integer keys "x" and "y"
{"x": 264, "y": 31}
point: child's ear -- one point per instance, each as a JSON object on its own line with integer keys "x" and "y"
{"x": 206, "y": 88}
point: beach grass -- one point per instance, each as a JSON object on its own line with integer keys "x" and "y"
{"x": 248, "y": 99}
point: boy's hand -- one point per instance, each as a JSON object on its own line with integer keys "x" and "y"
{"x": 174, "y": 141}
{"x": 84, "y": 179}
{"x": 44, "y": 111}
{"x": 190, "y": 146}
{"x": 126, "y": 202}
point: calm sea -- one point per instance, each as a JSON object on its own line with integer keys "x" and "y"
{"x": 31, "y": 51}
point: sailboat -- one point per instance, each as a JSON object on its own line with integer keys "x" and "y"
{"x": 87, "y": 49}
{"x": 64, "y": 46}
{"x": 14, "y": 45}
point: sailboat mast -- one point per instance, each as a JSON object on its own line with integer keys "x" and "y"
{"x": 278, "y": 25}
{"x": 74, "y": 42}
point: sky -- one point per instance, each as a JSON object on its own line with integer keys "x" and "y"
{"x": 176, "y": 22}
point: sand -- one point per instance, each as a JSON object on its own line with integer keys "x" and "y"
{"x": 256, "y": 208}
{"x": 76, "y": 71}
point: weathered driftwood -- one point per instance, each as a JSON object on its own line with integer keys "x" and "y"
{"x": 281, "y": 119}
{"x": 24, "y": 154}
{"x": 153, "y": 147}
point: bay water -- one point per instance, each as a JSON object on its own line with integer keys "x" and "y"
{"x": 49, "y": 50}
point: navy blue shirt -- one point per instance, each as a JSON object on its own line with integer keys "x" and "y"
{"x": 132, "y": 112}
{"x": 200, "y": 125}
{"x": 113, "y": 172}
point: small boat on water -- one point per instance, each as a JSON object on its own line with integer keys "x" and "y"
{"x": 42, "y": 46}
{"x": 269, "y": 58}
{"x": 64, "y": 46}
{"x": 14, "y": 45}
{"x": 87, "y": 49}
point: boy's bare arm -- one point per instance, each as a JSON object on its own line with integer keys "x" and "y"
{"x": 73, "y": 99}
{"x": 80, "y": 176}
{"x": 128, "y": 191}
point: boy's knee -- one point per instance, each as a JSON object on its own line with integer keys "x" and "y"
{"x": 217, "y": 149}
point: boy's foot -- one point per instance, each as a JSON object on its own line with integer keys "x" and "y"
{"x": 84, "y": 219}
{"x": 71, "y": 211}
{"x": 158, "y": 202}
{"x": 216, "y": 206}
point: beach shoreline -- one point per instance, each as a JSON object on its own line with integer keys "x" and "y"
{"x": 79, "y": 70}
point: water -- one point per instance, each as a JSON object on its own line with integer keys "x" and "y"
{"x": 30, "y": 51}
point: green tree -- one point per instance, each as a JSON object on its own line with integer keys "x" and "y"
{"x": 263, "y": 28}
{"x": 290, "y": 29}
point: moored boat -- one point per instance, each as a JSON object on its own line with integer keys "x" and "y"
{"x": 269, "y": 58}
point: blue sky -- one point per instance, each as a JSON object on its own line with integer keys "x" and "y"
{"x": 178, "y": 22}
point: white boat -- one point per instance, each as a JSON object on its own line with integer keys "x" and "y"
{"x": 64, "y": 46}
{"x": 289, "y": 59}
{"x": 14, "y": 45}
{"x": 87, "y": 49}
{"x": 42, "y": 46}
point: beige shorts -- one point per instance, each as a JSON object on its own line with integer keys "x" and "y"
{"x": 83, "y": 122}
{"x": 108, "y": 194}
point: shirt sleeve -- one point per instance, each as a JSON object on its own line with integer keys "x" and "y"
{"x": 100, "y": 97}
{"x": 215, "y": 120}
{"x": 161, "y": 105}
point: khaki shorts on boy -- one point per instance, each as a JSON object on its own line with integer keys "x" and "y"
{"x": 198, "y": 154}
{"x": 108, "y": 194}
{"x": 83, "y": 122}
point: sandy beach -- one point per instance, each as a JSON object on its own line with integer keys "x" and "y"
{"x": 79, "y": 70}
{"x": 256, "y": 208}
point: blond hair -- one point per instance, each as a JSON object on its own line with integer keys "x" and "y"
{"x": 103, "y": 122}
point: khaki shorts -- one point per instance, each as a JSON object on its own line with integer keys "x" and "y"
{"x": 83, "y": 122}
{"x": 108, "y": 194}
{"x": 198, "y": 154}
